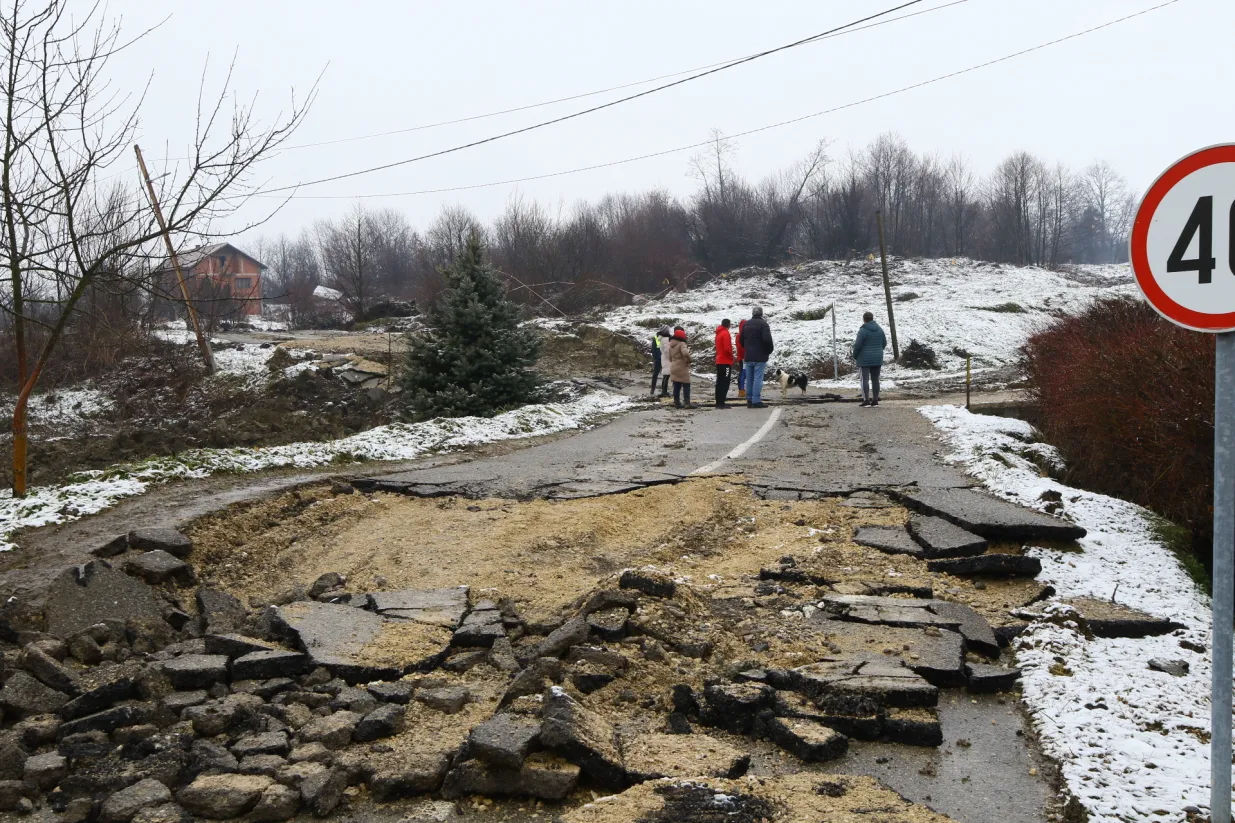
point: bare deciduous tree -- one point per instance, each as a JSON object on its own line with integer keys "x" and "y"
{"x": 68, "y": 225}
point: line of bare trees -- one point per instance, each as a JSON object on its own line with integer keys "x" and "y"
{"x": 1025, "y": 211}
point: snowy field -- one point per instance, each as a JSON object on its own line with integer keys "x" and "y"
{"x": 94, "y": 491}
{"x": 1133, "y": 742}
{"x": 952, "y": 305}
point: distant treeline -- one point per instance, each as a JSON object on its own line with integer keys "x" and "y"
{"x": 1024, "y": 211}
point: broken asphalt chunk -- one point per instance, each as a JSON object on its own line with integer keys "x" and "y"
{"x": 988, "y": 565}
{"x": 986, "y": 679}
{"x": 582, "y": 737}
{"x": 887, "y": 539}
{"x": 940, "y": 538}
{"x": 988, "y": 516}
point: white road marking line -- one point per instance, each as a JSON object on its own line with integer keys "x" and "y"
{"x": 741, "y": 448}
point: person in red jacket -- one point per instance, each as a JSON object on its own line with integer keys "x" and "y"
{"x": 740, "y": 366}
{"x": 724, "y": 362}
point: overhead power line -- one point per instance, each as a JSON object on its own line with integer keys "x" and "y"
{"x": 593, "y": 109}
{"x": 746, "y": 133}
{"x": 582, "y": 95}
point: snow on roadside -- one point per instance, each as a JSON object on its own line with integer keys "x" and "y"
{"x": 1132, "y": 742}
{"x": 61, "y": 408}
{"x": 97, "y": 490}
{"x": 953, "y": 305}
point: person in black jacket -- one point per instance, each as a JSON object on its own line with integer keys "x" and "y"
{"x": 756, "y": 338}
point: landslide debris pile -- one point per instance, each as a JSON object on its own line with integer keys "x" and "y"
{"x": 148, "y": 696}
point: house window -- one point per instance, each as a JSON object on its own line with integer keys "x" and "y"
{"x": 244, "y": 283}
{"x": 223, "y": 262}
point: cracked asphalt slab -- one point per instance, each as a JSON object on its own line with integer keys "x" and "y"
{"x": 792, "y": 450}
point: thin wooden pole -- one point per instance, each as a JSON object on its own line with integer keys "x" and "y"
{"x": 887, "y": 289}
{"x": 202, "y": 342}
{"x": 968, "y": 377}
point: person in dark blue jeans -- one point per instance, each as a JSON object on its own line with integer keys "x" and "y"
{"x": 868, "y": 348}
{"x": 756, "y": 337}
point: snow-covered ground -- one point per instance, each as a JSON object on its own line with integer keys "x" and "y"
{"x": 952, "y": 305}
{"x": 1133, "y": 742}
{"x": 94, "y": 491}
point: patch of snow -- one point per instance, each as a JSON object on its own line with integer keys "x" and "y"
{"x": 1131, "y": 741}
{"x": 94, "y": 491}
{"x": 951, "y": 312}
{"x": 327, "y": 293}
{"x": 60, "y": 408}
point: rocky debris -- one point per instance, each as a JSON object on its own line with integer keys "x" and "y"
{"x": 232, "y": 645}
{"x": 541, "y": 775}
{"x": 888, "y": 539}
{"x": 261, "y": 743}
{"x": 327, "y": 582}
{"x": 265, "y": 665}
{"x": 121, "y": 806}
{"x": 398, "y": 692}
{"x": 988, "y": 565}
{"x": 431, "y": 811}
{"x": 985, "y": 678}
{"x": 277, "y": 803}
{"x": 447, "y": 699}
{"x": 384, "y": 721}
{"x": 100, "y": 687}
{"x": 223, "y": 796}
{"x": 44, "y": 771}
{"x": 1106, "y": 619}
{"x": 504, "y": 740}
{"x": 886, "y": 611}
{"x": 988, "y": 516}
{"x": 160, "y": 539}
{"x": 220, "y": 613}
{"x": 322, "y": 788}
{"x": 333, "y": 731}
{"x": 361, "y": 646}
{"x": 196, "y": 671}
{"x": 655, "y": 756}
{"x": 609, "y": 624}
{"x": 939, "y": 538}
{"x": 781, "y": 799}
{"x": 85, "y": 596}
{"x": 648, "y": 582}
{"x": 480, "y": 628}
{"x": 1175, "y": 668}
{"x": 671, "y": 626}
{"x": 861, "y": 688}
{"x": 47, "y": 669}
{"x": 24, "y": 695}
{"x": 582, "y": 737}
{"x": 571, "y": 633}
{"x": 158, "y": 566}
{"x": 408, "y": 780}
{"x": 978, "y": 634}
{"x": 913, "y": 727}
{"x": 434, "y": 607}
{"x": 734, "y": 706}
{"x": 807, "y": 740}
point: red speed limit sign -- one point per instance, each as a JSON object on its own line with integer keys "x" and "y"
{"x": 1182, "y": 247}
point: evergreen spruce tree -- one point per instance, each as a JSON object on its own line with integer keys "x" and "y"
{"x": 475, "y": 359}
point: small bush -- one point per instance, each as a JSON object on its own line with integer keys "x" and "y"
{"x": 1128, "y": 399}
{"x": 918, "y": 356}
{"x": 657, "y": 322}
{"x": 1004, "y": 308}
{"x": 906, "y": 297}
{"x": 957, "y": 351}
{"x": 811, "y": 314}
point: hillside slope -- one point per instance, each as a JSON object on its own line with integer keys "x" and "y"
{"x": 953, "y": 306}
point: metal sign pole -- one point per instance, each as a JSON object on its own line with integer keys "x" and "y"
{"x": 1224, "y": 578}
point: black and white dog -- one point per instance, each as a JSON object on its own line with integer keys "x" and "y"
{"x": 784, "y": 379}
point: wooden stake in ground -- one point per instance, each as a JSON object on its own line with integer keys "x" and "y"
{"x": 887, "y": 289}
{"x": 202, "y": 342}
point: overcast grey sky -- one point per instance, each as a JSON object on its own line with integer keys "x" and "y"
{"x": 1138, "y": 94}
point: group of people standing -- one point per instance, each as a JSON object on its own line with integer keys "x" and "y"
{"x": 748, "y": 351}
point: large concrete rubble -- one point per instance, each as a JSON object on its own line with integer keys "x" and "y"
{"x": 147, "y": 695}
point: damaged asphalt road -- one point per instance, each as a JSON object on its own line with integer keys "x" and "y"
{"x": 970, "y": 756}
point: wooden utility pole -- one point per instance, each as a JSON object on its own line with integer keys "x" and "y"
{"x": 887, "y": 289}
{"x": 202, "y": 342}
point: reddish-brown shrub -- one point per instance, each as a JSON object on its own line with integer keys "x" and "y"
{"x": 1128, "y": 399}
